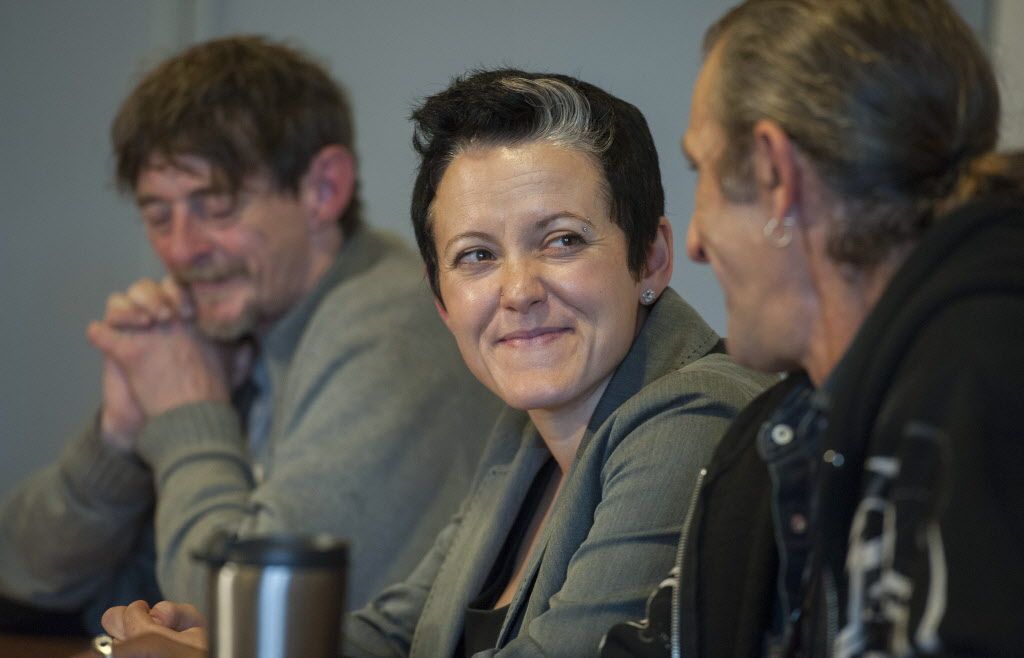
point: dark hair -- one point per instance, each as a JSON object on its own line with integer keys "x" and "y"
{"x": 892, "y": 100}
{"x": 508, "y": 107}
{"x": 245, "y": 105}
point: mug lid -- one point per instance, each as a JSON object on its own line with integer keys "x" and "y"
{"x": 275, "y": 550}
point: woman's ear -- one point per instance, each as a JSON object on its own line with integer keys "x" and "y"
{"x": 329, "y": 185}
{"x": 660, "y": 257}
{"x": 438, "y": 302}
{"x": 443, "y": 312}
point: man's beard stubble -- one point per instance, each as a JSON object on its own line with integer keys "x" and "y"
{"x": 221, "y": 330}
{"x": 230, "y": 330}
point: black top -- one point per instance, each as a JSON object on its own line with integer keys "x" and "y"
{"x": 483, "y": 620}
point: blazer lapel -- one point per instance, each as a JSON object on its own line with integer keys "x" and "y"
{"x": 487, "y": 518}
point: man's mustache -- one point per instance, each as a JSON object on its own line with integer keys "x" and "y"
{"x": 208, "y": 273}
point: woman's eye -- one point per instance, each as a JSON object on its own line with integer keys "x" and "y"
{"x": 474, "y": 256}
{"x": 567, "y": 241}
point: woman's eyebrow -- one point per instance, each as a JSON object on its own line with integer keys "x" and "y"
{"x": 465, "y": 234}
{"x": 544, "y": 221}
{"x": 541, "y": 223}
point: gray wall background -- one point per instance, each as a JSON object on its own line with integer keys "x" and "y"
{"x": 67, "y": 239}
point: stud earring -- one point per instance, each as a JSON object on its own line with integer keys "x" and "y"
{"x": 647, "y": 297}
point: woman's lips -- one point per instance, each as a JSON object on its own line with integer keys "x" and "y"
{"x": 531, "y": 337}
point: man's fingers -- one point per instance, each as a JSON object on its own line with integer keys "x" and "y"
{"x": 151, "y": 297}
{"x": 137, "y": 620}
{"x": 179, "y": 297}
{"x": 116, "y": 344}
{"x": 140, "y": 631}
{"x": 179, "y": 616}
{"x": 101, "y": 336}
{"x": 125, "y": 621}
{"x": 121, "y": 311}
{"x": 113, "y": 621}
{"x": 147, "y": 302}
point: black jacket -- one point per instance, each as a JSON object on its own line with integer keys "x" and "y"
{"x": 927, "y": 412}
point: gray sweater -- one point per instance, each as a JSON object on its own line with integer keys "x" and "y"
{"x": 375, "y": 427}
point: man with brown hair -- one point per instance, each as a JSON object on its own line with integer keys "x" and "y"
{"x": 289, "y": 375}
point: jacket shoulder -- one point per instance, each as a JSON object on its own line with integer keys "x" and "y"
{"x": 711, "y": 379}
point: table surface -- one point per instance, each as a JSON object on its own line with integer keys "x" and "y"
{"x": 40, "y": 646}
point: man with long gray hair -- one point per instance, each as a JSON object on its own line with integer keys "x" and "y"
{"x": 869, "y": 240}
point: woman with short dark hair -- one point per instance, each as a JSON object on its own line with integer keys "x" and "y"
{"x": 538, "y": 210}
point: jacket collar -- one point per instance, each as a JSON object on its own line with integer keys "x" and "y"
{"x": 672, "y": 336}
{"x": 358, "y": 253}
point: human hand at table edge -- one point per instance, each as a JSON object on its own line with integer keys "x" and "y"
{"x": 152, "y": 645}
{"x": 179, "y": 622}
{"x": 149, "y": 646}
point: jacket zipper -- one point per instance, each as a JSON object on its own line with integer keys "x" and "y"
{"x": 831, "y": 610}
{"x": 684, "y": 538}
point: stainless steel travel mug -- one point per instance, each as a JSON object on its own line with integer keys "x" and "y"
{"x": 275, "y": 596}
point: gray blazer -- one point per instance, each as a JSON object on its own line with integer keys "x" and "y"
{"x": 612, "y": 533}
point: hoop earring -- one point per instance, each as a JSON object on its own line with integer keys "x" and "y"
{"x": 783, "y": 240}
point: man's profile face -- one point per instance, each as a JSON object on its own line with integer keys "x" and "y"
{"x": 244, "y": 258}
{"x": 764, "y": 291}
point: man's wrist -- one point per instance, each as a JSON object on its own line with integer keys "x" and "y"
{"x": 120, "y": 439}
{"x": 189, "y": 393}
{"x": 185, "y": 428}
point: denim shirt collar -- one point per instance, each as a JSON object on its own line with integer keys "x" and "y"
{"x": 790, "y": 445}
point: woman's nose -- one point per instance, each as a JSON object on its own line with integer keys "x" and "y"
{"x": 521, "y": 286}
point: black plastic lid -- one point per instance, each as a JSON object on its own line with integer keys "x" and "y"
{"x": 276, "y": 550}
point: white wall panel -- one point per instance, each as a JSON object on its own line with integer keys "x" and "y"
{"x": 1008, "y": 55}
{"x": 67, "y": 240}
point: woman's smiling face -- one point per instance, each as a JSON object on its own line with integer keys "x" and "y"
{"x": 533, "y": 274}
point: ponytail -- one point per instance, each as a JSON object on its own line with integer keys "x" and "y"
{"x": 991, "y": 174}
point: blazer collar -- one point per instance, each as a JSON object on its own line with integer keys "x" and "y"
{"x": 673, "y": 335}
{"x": 358, "y": 252}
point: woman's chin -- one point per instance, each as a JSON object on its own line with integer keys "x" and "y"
{"x": 534, "y": 398}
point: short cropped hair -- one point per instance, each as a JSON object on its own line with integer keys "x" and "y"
{"x": 507, "y": 107}
{"x": 244, "y": 104}
{"x": 892, "y": 100}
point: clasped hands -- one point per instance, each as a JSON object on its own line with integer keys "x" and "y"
{"x": 154, "y": 358}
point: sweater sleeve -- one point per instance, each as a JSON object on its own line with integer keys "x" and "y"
{"x": 67, "y": 530}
